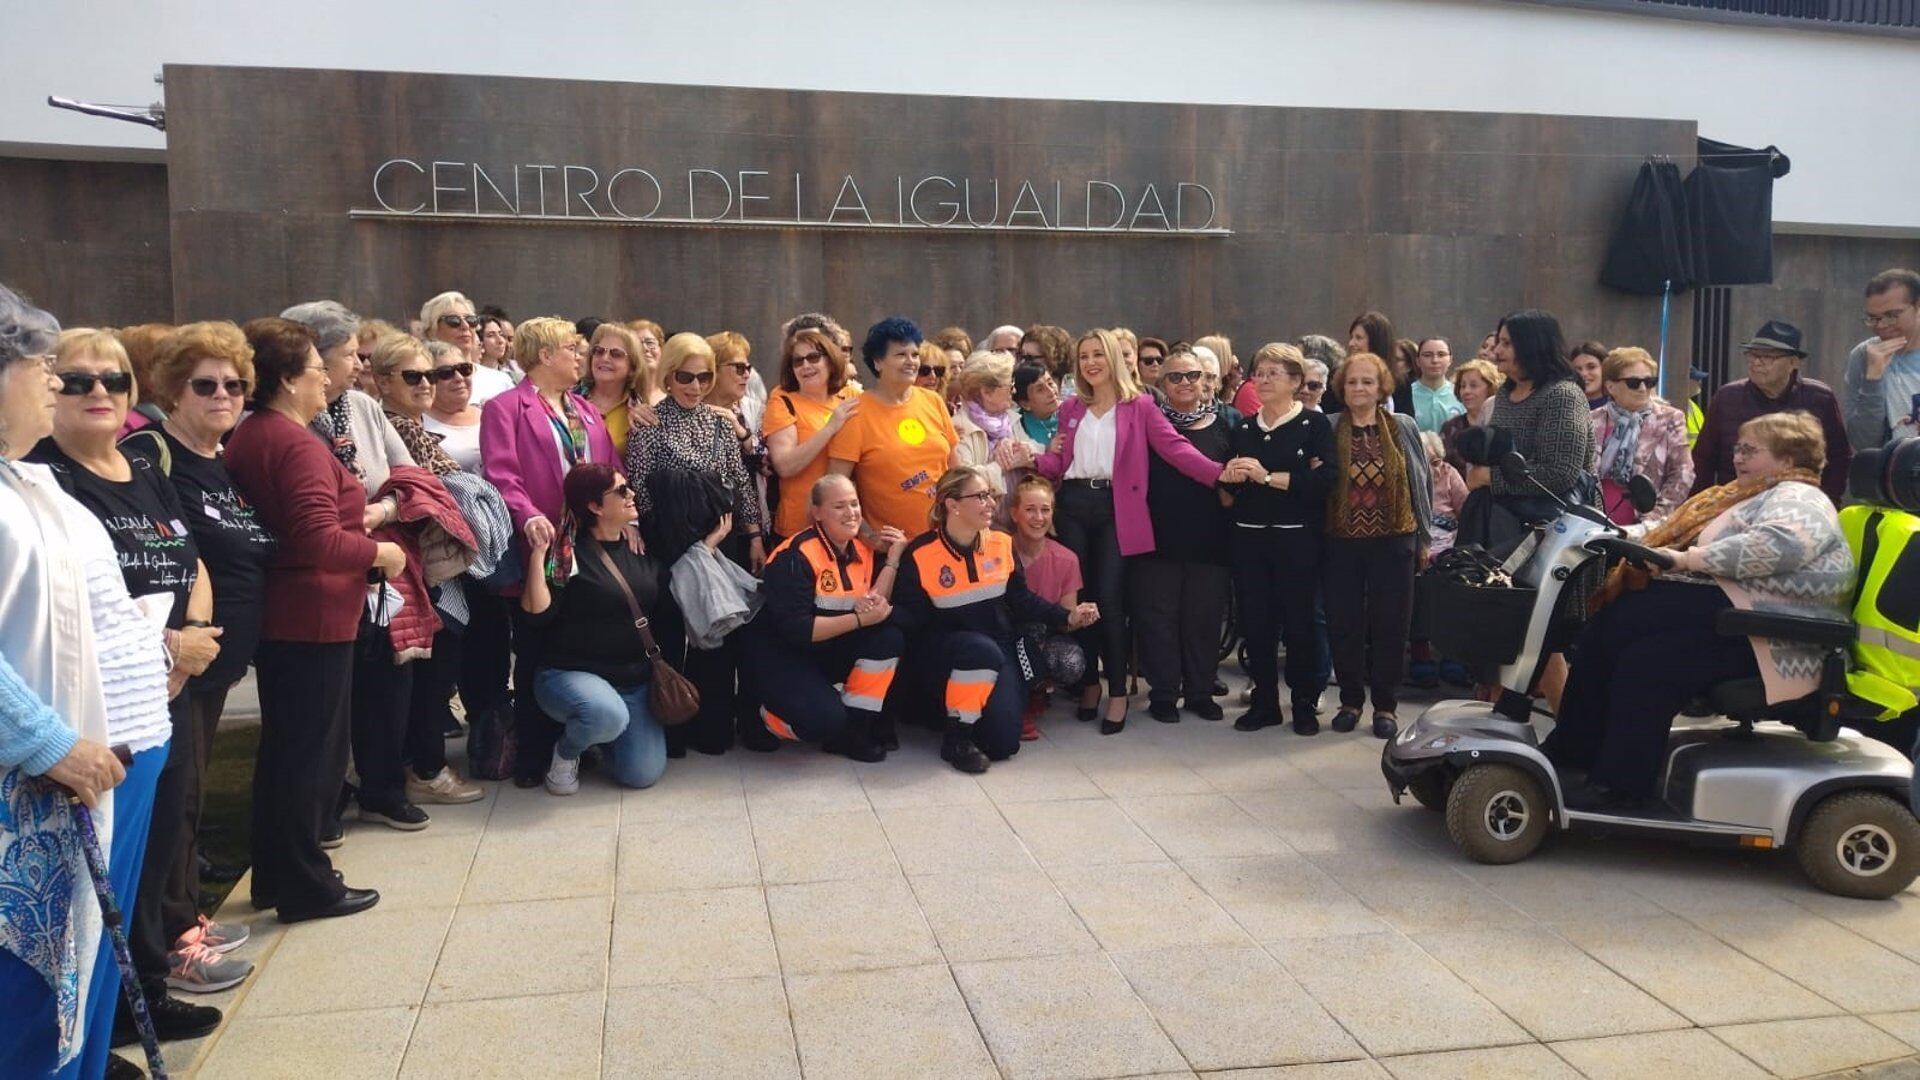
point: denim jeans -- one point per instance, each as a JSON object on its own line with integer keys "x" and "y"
{"x": 594, "y": 711}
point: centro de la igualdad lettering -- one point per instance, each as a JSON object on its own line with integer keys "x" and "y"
{"x": 404, "y": 188}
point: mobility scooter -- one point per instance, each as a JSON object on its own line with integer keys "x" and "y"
{"x": 1749, "y": 774}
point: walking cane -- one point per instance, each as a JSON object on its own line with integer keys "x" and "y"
{"x": 115, "y": 924}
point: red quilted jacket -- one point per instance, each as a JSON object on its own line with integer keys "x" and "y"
{"x": 430, "y": 528}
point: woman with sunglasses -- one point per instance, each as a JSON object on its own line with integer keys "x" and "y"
{"x": 450, "y": 317}
{"x": 594, "y": 674}
{"x": 811, "y": 404}
{"x": 452, "y": 416}
{"x": 618, "y": 382}
{"x": 692, "y": 438}
{"x": 1636, "y": 432}
{"x": 160, "y": 563}
{"x": 204, "y": 371}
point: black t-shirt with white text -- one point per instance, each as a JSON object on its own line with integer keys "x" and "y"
{"x": 144, "y": 520}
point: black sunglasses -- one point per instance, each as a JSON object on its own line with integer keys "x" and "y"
{"x": 1152, "y": 360}
{"x": 454, "y": 322}
{"x": 1639, "y": 382}
{"x": 938, "y": 371}
{"x": 1314, "y": 384}
{"x": 442, "y": 374}
{"x": 808, "y": 358}
{"x": 414, "y": 378}
{"x": 205, "y": 387}
{"x": 1175, "y": 378}
{"x": 81, "y": 383}
{"x": 687, "y": 378}
{"x": 621, "y": 490}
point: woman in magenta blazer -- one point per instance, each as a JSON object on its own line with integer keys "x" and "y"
{"x": 1099, "y": 459}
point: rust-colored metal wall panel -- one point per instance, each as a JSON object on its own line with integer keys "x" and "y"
{"x": 87, "y": 240}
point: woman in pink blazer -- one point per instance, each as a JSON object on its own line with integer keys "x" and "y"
{"x": 1099, "y": 460}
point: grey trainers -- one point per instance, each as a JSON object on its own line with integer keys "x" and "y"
{"x": 445, "y": 789}
{"x": 195, "y": 968}
{"x": 563, "y": 775}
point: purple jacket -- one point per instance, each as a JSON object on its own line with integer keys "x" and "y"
{"x": 1138, "y": 424}
{"x": 519, "y": 456}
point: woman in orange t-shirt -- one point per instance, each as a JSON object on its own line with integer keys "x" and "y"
{"x": 901, "y": 439}
{"x": 810, "y": 406}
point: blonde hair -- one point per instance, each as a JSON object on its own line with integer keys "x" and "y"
{"x": 681, "y": 347}
{"x": 1222, "y": 350}
{"x": 431, "y": 311}
{"x": 101, "y": 344}
{"x": 948, "y": 487}
{"x": 1619, "y": 360}
{"x": 1127, "y": 336}
{"x": 984, "y": 371}
{"x": 142, "y": 343}
{"x": 375, "y": 331}
{"x": 639, "y": 374}
{"x": 182, "y": 350}
{"x": 1794, "y": 437}
{"x": 535, "y": 336}
{"x": 729, "y": 345}
{"x": 397, "y": 349}
{"x": 1482, "y": 367}
{"x": 1125, "y": 386}
{"x": 648, "y": 326}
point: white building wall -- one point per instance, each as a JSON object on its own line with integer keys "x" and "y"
{"x": 1838, "y": 104}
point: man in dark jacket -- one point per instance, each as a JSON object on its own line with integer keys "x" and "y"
{"x": 1773, "y": 384}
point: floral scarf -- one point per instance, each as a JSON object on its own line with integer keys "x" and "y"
{"x": 996, "y": 427}
{"x": 1622, "y": 444}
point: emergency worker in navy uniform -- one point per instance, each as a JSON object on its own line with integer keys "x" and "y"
{"x": 961, "y": 593}
{"x": 822, "y": 652}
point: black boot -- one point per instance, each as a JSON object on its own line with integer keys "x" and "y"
{"x": 855, "y": 741}
{"x": 957, "y": 749}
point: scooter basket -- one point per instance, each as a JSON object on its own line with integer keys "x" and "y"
{"x": 1477, "y": 625}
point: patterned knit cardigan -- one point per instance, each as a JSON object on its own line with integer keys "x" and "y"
{"x": 1782, "y": 551}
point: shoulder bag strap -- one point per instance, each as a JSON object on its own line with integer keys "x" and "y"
{"x": 640, "y": 621}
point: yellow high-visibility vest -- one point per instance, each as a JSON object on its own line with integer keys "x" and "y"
{"x": 1886, "y": 547}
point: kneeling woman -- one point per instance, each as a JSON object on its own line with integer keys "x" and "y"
{"x": 1768, "y": 541}
{"x": 594, "y": 670}
{"x": 961, "y": 597}
{"x": 821, "y": 651}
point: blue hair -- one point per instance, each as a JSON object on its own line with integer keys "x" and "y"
{"x": 884, "y": 333}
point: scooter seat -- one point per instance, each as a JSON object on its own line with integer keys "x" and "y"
{"x": 1745, "y": 701}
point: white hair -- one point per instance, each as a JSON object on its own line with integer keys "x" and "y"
{"x": 329, "y": 320}
{"x": 998, "y": 330}
{"x": 1207, "y": 356}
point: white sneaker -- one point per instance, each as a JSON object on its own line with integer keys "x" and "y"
{"x": 563, "y": 776}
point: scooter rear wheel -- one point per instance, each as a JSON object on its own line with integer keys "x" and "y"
{"x": 1497, "y": 813}
{"x": 1861, "y": 844}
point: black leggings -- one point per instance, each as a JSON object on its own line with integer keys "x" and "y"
{"x": 1085, "y": 525}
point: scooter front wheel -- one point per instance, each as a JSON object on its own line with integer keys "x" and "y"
{"x": 1861, "y": 844}
{"x": 1497, "y": 813}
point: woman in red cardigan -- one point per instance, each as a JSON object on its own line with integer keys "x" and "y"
{"x": 316, "y": 588}
{"x": 1099, "y": 459}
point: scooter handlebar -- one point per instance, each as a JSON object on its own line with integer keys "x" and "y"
{"x": 1639, "y": 555}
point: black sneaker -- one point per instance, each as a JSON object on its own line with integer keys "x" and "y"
{"x": 1306, "y": 721}
{"x": 335, "y": 835}
{"x": 401, "y": 815}
{"x": 173, "y": 1020}
{"x": 1346, "y": 720}
{"x": 1164, "y": 711}
{"x": 957, "y": 749}
{"x": 1206, "y": 709}
{"x": 1260, "y": 716}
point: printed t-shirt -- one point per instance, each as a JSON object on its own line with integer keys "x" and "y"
{"x": 144, "y": 520}
{"x": 898, "y": 453}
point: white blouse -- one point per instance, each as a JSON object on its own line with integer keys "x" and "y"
{"x": 460, "y": 441}
{"x": 1093, "y": 444}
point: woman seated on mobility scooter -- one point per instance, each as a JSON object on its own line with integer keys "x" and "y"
{"x": 822, "y": 653}
{"x": 1768, "y": 541}
{"x": 961, "y": 596}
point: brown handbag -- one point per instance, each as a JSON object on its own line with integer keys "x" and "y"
{"x": 671, "y": 696}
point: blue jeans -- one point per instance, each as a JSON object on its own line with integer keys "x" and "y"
{"x": 594, "y": 711}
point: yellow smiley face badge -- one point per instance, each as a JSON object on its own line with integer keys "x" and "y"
{"x": 912, "y": 432}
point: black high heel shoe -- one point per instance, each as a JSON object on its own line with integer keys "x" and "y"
{"x": 1113, "y": 727}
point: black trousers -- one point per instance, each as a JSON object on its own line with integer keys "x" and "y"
{"x": 812, "y": 694}
{"x": 728, "y": 708}
{"x": 305, "y": 709}
{"x": 1178, "y": 610}
{"x": 486, "y": 650}
{"x": 382, "y": 698}
{"x": 1636, "y": 664}
{"x": 428, "y": 711}
{"x": 1276, "y": 581}
{"x": 1369, "y": 609}
{"x": 1085, "y": 525}
{"x": 534, "y": 732}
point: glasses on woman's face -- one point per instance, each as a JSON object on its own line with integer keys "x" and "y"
{"x": 605, "y": 350}
{"x": 688, "y": 378}
{"x": 934, "y": 371}
{"x": 808, "y": 359}
{"x": 1639, "y": 382}
{"x": 1313, "y": 384}
{"x": 81, "y": 383}
{"x": 442, "y": 374}
{"x": 207, "y": 387}
{"x": 982, "y": 497}
{"x": 1151, "y": 359}
{"x": 413, "y": 378}
{"x": 621, "y": 490}
{"x": 1180, "y": 378}
{"x": 1746, "y": 449}
{"x": 739, "y": 367}
{"x": 455, "y": 322}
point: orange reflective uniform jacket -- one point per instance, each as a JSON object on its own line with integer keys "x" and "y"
{"x": 945, "y": 588}
{"x": 805, "y": 578}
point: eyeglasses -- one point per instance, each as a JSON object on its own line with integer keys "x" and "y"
{"x": 738, "y": 367}
{"x": 81, "y": 383}
{"x": 205, "y": 387}
{"x": 1639, "y": 382}
{"x": 1149, "y": 360}
{"x": 442, "y": 374}
{"x": 687, "y": 378}
{"x": 455, "y": 322}
{"x": 1885, "y": 318}
{"x": 1313, "y": 384}
{"x": 979, "y": 496}
{"x": 809, "y": 358}
{"x": 599, "y": 351}
{"x": 938, "y": 371}
{"x": 1746, "y": 449}
{"x": 621, "y": 490}
{"x": 1032, "y": 358}
{"x": 412, "y": 378}
{"x": 1176, "y": 378}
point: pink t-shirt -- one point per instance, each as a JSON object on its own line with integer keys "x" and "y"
{"x": 1054, "y": 574}
{"x": 1247, "y": 398}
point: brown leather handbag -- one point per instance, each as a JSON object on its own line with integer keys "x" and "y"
{"x": 671, "y": 697}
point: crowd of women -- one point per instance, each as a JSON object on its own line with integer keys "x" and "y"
{"x": 617, "y": 543}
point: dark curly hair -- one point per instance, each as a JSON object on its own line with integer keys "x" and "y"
{"x": 882, "y": 336}
{"x": 280, "y": 348}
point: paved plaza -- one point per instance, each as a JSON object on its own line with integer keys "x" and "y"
{"x": 1175, "y": 901}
